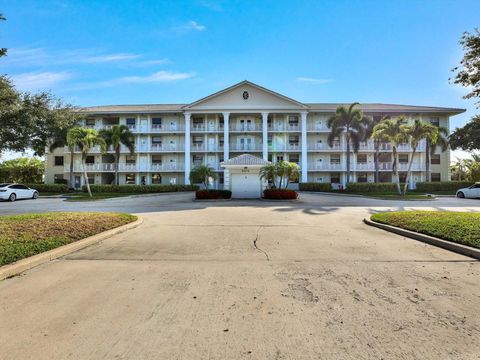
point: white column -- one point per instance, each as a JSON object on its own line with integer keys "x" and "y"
{"x": 265, "y": 135}
{"x": 226, "y": 136}
{"x": 303, "y": 125}
{"x": 187, "y": 148}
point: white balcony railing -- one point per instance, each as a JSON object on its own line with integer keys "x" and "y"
{"x": 156, "y": 147}
{"x": 326, "y": 166}
{"x": 324, "y": 146}
{"x": 245, "y": 147}
{"x": 246, "y": 127}
{"x": 123, "y": 167}
{"x": 317, "y": 127}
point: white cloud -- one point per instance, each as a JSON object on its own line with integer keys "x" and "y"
{"x": 108, "y": 58}
{"x": 196, "y": 26}
{"x": 313, "y": 80}
{"x": 160, "y": 76}
{"x": 39, "y": 80}
{"x": 153, "y": 62}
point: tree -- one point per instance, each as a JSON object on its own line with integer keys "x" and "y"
{"x": 268, "y": 173}
{"x": 468, "y": 72}
{"x": 473, "y": 168}
{"x": 22, "y": 170}
{"x": 393, "y": 132}
{"x": 202, "y": 174}
{"x": 353, "y": 124}
{"x": 376, "y": 143}
{"x": 3, "y": 51}
{"x": 459, "y": 170}
{"x": 432, "y": 141}
{"x": 117, "y": 136}
{"x": 283, "y": 171}
{"x": 416, "y": 132}
{"x": 31, "y": 121}
{"x": 85, "y": 139}
{"x": 467, "y": 137}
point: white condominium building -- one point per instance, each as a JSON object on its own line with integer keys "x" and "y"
{"x": 170, "y": 139}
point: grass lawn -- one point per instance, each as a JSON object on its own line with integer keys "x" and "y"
{"x": 459, "y": 227}
{"x": 22, "y": 236}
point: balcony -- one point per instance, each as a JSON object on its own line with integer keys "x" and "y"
{"x": 284, "y": 147}
{"x": 324, "y": 147}
{"x": 206, "y": 147}
{"x": 325, "y": 167}
{"x": 157, "y": 147}
{"x": 206, "y": 128}
{"x": 318, "y": 127}
{"x": 158, "y": 128}
{"x": 123, "y": 167}
{"x": 245, "y": 147}
{"x": 245, "y": 127}
{"x": 283, "y": 127}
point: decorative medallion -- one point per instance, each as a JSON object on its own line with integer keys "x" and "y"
{"x": 245, "y": 95}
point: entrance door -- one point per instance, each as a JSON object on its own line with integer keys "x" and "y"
{"x": 245, "y": 186}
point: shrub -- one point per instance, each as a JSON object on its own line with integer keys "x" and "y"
{"x": 145, "y": 189}
{"x": 371, "y": 187}
{"x": 49, "y": 188}
{"x": 442, "y": 186}
{"x": 315, "y": 187}
{"x": 280, "y": 194}
{"x": 213, "y": 194}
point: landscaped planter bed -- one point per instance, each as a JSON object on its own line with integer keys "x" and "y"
{"x": 280, "y": 194}
{"x": 213, "y": 194}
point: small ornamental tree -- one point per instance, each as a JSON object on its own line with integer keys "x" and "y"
{"x": 202, "y": 174}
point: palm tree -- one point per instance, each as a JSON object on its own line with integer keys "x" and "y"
{"x": 459, "y": 169}
{"x": 416, "y": 132}
{"x": 202, "y": 174}
{"x": 351, "y": 122}
{"x": 117, "y": 136}
{"x": 268, "y": 173}
{"x": 440, "y": 138}
{"x": 393, "y": 132}
{"x": 60, "y": 141}
{"x": 85, "y": 139}
{"x": 376, "y": 143}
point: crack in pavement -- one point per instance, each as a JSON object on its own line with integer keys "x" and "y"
{"x": 257, "y": 237}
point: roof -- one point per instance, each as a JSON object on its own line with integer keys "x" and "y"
{"x": 387, "y": 108}
{"x": 125, "y": 109}
{"x": 245, "y": 160}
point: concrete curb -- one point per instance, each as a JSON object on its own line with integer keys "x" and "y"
{"x": 444, "y": 244}
{"x": 22, "y": 265}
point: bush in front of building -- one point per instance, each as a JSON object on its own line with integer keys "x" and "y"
{"x": 213, "y": 194}
{"x": 49, "y": 188}
{"x": 371, "y": 187}
{"x": 280, "y": 194}
{"x": 441, "y": 186}
{"x": 315, "y": 187}
{"x": 141, "y": 189}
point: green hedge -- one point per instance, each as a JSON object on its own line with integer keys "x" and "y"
{"x": 371, "y": 187}
{"x": 442, "y": 186}
{"x": 49, "y": 188}
{"x": 139, "y": 188}
{"x": 213, "y": 194}
{"x": 315, "y": 187}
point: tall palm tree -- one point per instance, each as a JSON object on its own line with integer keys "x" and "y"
{"x": 353, "y": 124}
{"x": 117, "y": 136}
{"x": 376, "y": 143}
{"x": 416, "y": 132}
{"x": 459, "y": 169}
{"x": 393, "y": 132}
{"x": 85, "y": 139}
{"x": 268, "y": 173}
{"x": 202, "y": 174}
{"x": 61, "y": 141}
{"x": 440, "y": 138}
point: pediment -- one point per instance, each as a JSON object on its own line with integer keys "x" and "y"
{"x": 245, "y": 96}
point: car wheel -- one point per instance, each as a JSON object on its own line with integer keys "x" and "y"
{"x": 460, "y": 195}
{"x": 12, "y": 197}
{"x": 35, "y": 195}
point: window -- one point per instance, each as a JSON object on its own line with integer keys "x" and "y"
{"x": 403, "y": 177}
{"x": 91, "y": 180}
{"x": 131, "y": 123}
{"x": 157, "y": 159}
{"x": 293, "y": 120}
{"x": 90, "y": 122}
{"x": 90, "y": 159}
{"x": 197, "y": 140}
{"x": 295, "y": 158}
{"x": 403, "y": 158}
{"x": 435, "y": 121}
{"x": 279, "y": 158}
{"x": 130, "y": 159}
{"x": 156, "y": 179}
{"x": 157, "y": 140}
{"x": 58, "y": 160}
{"x": 335, "y": 159}
{"x": 59, "y": 179}
{"x": 156, "y": 122}
{"x": 130, "y": 179}
{"x": 361, "y": 158}
{"x": 335, "y": 178}
{"x": 435, "y": 176}
{"x": 18, "y": 187}
{"x": 197, "y": 159}
{"x": 362, "y": 177}
{"x": 269, "y": 140}
{"x": 293, "y": 139}
{"x": 435, "y": 159}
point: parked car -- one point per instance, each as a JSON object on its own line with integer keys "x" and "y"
{"x": 470, "y": 192}
{"x": 13, "y": 192}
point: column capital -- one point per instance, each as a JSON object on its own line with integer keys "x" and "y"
{"x": 226, "y": 114}
{"x": 304, "y": 113}
{"x": 187, "y": 114}
{"x": 265, "y": 114}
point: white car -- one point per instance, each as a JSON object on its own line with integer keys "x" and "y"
{"x": 470, "y": 192}
{"x": 13, "y": 192}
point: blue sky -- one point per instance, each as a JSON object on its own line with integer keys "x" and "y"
{"x": 112, "y": 52}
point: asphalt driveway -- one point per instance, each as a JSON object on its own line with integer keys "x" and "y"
{"x": 246, "y": 280}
